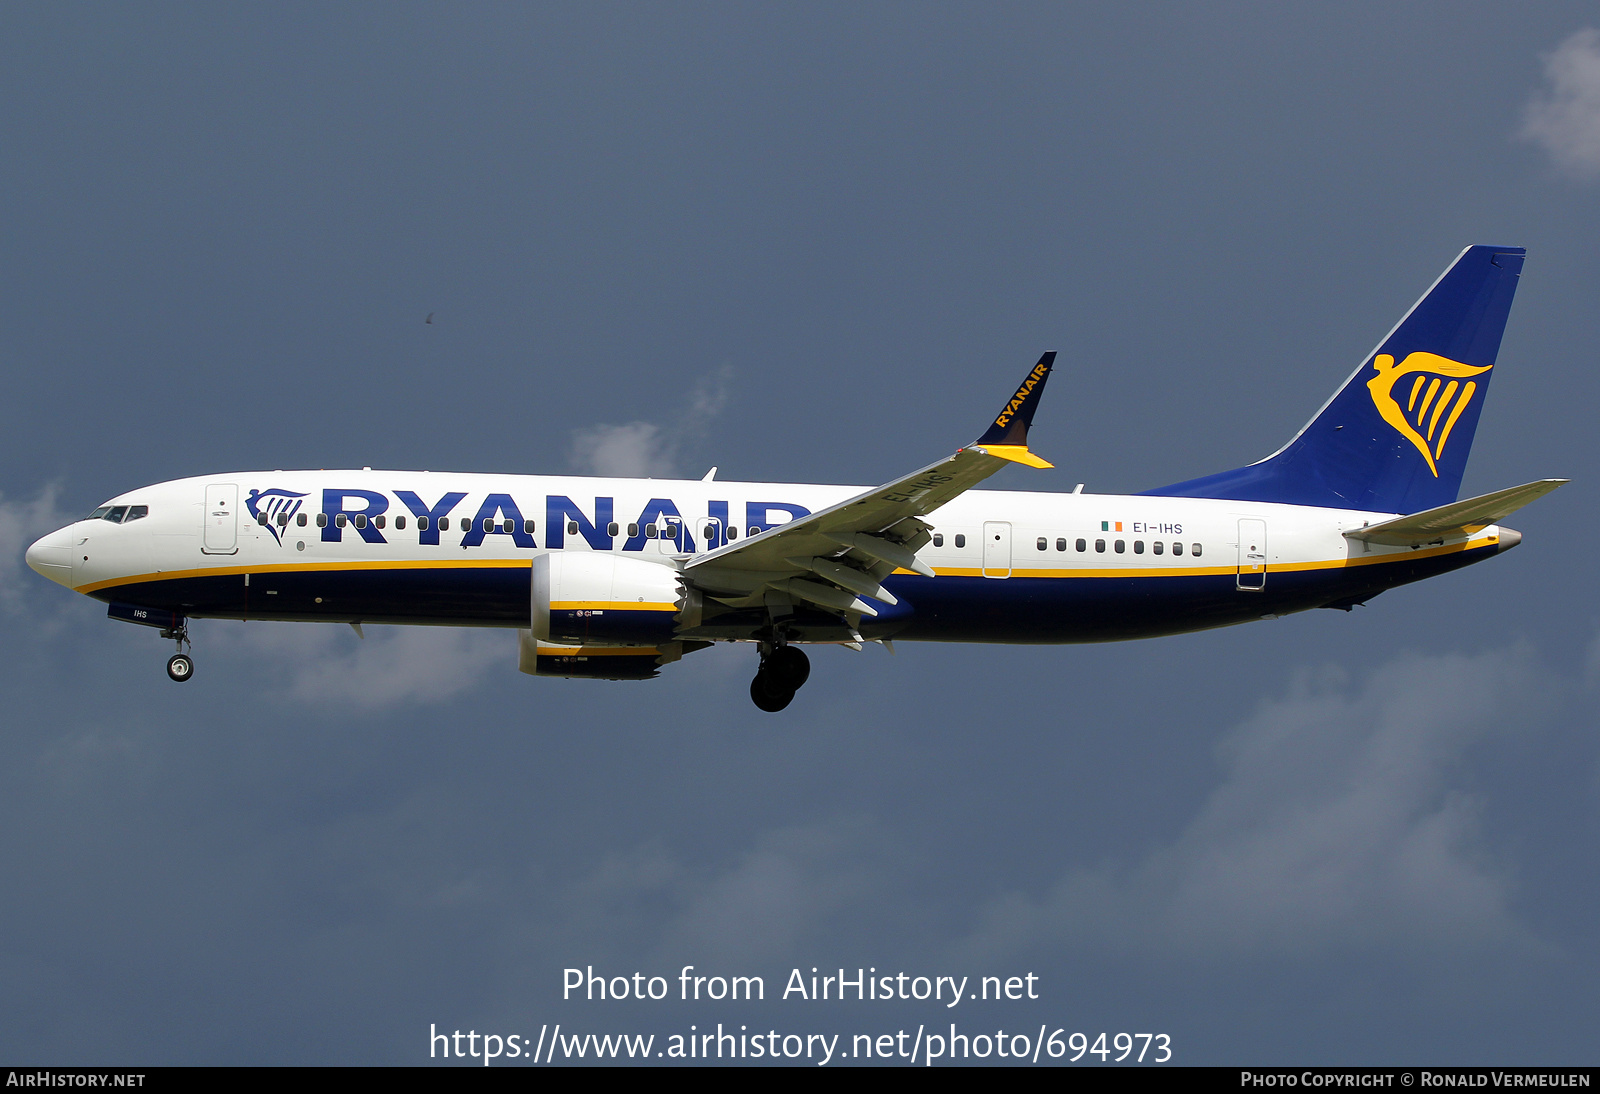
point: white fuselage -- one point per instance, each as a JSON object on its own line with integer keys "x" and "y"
{"x": 1060, "y": 567}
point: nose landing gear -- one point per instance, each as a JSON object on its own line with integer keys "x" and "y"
{"x": 782, "y": 672}
{"x": 180, "y": 666}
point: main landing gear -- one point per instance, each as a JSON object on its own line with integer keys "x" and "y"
{"x": 180, "y": 666}
{"x": 783, "y": 670}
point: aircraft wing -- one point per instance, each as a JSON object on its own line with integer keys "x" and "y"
{"x": 1459, "y": 518}
{"x": 836, "y": 557}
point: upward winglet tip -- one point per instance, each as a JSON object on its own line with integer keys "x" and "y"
{"x": 1010, "y": 427}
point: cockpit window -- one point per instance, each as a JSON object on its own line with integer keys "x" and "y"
{"x": 119, "y": 514}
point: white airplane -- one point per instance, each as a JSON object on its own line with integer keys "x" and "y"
{"x": 614, "y": 578}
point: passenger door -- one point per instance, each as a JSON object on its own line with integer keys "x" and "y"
{"x": 1252, "y": 556}
{"x": 997, "y": 548}
{"x": 221, "y": 536}
{"x": 671, "y": 535}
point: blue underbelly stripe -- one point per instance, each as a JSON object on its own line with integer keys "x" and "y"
{"x": 1017, "y": 609}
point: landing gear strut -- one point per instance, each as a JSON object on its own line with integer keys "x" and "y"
{"x": 783, "y": 670}
{"x": 180, "y": 666}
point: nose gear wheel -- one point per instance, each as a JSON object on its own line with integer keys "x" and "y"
{"x": 180, "y": 666}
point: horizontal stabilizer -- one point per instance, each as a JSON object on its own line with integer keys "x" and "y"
{"x": 1459, "y": 518}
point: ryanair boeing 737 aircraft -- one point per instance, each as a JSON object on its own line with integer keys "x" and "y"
{"x": 614, "y": 578}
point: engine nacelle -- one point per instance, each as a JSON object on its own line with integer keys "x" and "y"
{"x": 598, "y": 662}
{"x": 593, "y": 598}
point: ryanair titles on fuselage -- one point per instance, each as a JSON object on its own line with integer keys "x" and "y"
{"x": 436, "y": 517}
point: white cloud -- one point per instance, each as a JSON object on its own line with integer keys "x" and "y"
{"x": 1341, "y": 821}
{"x": 783, "y": 893}
{"x": 706, "y": 401}
{"x": 22, "y": 522}
{"x": 1564, "y": 119}
{"x": 791, "y": 890}
{"x": 635, "y": 449}
{"x": 631, "y": 450}
{"x": 391, "y": 665}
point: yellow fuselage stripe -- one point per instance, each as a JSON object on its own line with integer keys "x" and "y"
{"x": 948, "y": 571}
{"x": 609, "y": 606}
{"x": 1217, "y": 571}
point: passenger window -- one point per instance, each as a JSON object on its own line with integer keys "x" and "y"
{"x": 633, "y": 530}
{"x": 1043, "y": 543}
{"x": 117, "y": 513}
{"x": 1061, "y": 545}
{"x": 733, "y": 531}
{"x": 1194, "y": 549}
{"x": 1177, "y": 548}
{"x": 708, "y": 532}
{"x": 379, "y": 522}
{"x": 1138, "y": 546}
{"x": 341, "y": 520}
{"x": 650, "y": 531}
{"x": 322, "y": 520}
{"x": 938, "y": 539}
{"x": 283, "y": 520}
{"x": 961, "y": 540}
{"x": 488, "y": 524}
{"x": 755, "y": 530}
{"x": 527, "y": 526}
{"x": 1082, "y": 546}
{"x": 1100, "y": 546}
{"x": 361, "y": 520}
{"x": 261, "y": 519}
{"x": 572, "y": 527}
{"x": 611, "y": 529}
{"x": 400, "y": 524}
{"x": 1157, "y": 546}
{"x": 508, "y": 526}
{"x": 300, "y": 521}
{"x": 135, "y": 512}
{"x": 1120, "y": 546}
{"x": 422, "y": 524}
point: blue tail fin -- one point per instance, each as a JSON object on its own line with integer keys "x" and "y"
{"x": 1395, "y": 437}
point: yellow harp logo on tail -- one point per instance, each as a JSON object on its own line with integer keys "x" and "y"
{"x": 1429, "y": 413}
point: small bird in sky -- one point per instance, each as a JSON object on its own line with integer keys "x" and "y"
{"x": 429, "y": 319}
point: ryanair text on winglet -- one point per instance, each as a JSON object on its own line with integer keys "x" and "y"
{"x": 1021, "y": 396}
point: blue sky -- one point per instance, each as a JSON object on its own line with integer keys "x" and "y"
{"x": 809, "y": 244}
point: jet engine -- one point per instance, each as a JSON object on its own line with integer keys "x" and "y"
{"x": 596, "y": 614}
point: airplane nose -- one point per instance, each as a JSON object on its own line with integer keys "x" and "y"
{"x": 51, "y": 556}
{"x": 1509, "y": 538}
